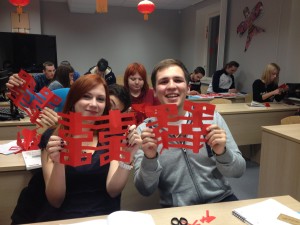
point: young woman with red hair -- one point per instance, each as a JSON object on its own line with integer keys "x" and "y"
{"x": 135, "y": 81}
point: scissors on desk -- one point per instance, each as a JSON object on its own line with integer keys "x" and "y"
{"x": 181, "y": 221}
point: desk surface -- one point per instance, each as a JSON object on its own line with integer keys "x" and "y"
{"x": 290, "y": 132}
{"x": 245, "y": 108}
{"x": 11, "y": 123}
{"x": 222, "y": 212}
{"x": 12, "y": 162}
{"x": 235, "y": 98}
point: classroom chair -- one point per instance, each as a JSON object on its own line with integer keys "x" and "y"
{"x": 291, "y": 120}
{"x": 220, "y": 101}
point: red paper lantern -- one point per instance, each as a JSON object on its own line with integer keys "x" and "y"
{"x": 146, "y": 7}
{"x": 19, "y": 4}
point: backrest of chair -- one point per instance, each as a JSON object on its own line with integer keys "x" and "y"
{"x": 291, "y": 120}
{"x": 220, "y": 101}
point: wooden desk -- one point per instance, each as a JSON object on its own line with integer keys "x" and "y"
{"x": 280, "y": 154}
{"x": 222, "y": 212}
{"x": 236, "y": 99}
{"x": 9, "y": 129}
{"x": 14, "y": 177}
{"x": 4, "y": 104}
{"x": 245, "y": 122}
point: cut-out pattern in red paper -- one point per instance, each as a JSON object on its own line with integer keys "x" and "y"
{"x": 111, "y": 137}
{"x": 174, "y": 135}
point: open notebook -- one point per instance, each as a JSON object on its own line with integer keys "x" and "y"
{"x": 268, "y": 212}
{"x": 121, "y": 218}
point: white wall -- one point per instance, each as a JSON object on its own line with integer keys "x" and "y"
{"x": 278, "y": 44}
{"x": 121, "y": 36}
{"x": 274, "y": 45}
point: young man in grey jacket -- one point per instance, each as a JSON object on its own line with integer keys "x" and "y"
{"x": 182, "y": 176}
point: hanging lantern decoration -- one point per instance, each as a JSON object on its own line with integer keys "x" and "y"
{"x": 19, "y": 4}
{"x": 101, "y": 6}
{"x": 146, "y": 7}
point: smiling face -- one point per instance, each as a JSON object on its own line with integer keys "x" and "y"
{"x": 135, "y": 83}
{"x": 92, "y": 103}
{"x": 171, "y": 86}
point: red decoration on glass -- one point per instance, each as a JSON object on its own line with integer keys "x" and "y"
{"x": 146, "y": 7}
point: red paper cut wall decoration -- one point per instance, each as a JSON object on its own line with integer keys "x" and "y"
{"x": 248, "y": 23}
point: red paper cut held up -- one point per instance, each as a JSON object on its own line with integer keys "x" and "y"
{"x": 171, "y": 130}
{"x": 30, "y": 139}
{"x": 25, "y": 98}
{"x": 78, "y": 135}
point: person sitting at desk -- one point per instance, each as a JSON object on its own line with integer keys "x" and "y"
{"x": 184, "y": 177}
{"x": 266, "y": 88}
{"x": 102, "y": 195}
{"x": 44, "y": 79}
{"x": 195, "y": 81}
{"x": 103, "y": 69}
{"x": 135, "y": 81}
{"x": 223, "y": 80}
{"x": 63, "y": 78}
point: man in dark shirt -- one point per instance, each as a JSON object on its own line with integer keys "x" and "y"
{"x": 103, "y": 69}
{"x": 223, "y": 80}
{"x": 44, "y": 79}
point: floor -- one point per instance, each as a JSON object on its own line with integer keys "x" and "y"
{"x": 246, "y": 186}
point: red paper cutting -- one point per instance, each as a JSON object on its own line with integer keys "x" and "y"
{"x": 207, "y": 218}
{"x": 46, "y": 99}
{"x": 21, "y": 96}
{"x": 168, "y": 135}
{"x": 283, "y": 86}
{"x": 111, "y": 129}
{"x": 30, "y": 139}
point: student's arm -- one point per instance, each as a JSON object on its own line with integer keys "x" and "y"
{"x": 147, "y": 167}
{"x": 117, "y": 174}
{"x": 257, "y": 89}
{"x": 54, "y": 172}
{"x": 232, "y": 88}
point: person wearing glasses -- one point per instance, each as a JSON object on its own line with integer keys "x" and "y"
{"x": 266, "y": 88}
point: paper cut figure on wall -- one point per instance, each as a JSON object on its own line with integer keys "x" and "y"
{"x": 248, "y": 23}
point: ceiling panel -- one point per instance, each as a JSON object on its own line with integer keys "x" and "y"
{"x": 89, "y": 6}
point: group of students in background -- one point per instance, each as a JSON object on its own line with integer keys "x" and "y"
{"x": 59, "y": 191}
{"x": 265, "y": 89}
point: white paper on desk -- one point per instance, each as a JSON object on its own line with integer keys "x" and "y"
{"x": 264, "y": 213}
{"x": 256, "y": 104}
{"x": 32, "y": 159}
{"x": 9, "y": 148}
{"x": 121, "y": 218}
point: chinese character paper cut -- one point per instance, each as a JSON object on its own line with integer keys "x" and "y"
{"x": 173, "y": 131}
{"x": 111, "y": 137}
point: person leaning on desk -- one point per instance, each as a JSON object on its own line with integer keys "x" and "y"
{"x": 183, "y": 177}
{"x": 266, "y": 88}
{"x": 223, "y": 80}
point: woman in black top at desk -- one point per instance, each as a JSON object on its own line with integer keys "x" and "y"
{"x": 86, "y": 190}
{"x": 266, "y": 89}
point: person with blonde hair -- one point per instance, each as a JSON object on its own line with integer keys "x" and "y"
{"x": 266, "y": 88}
